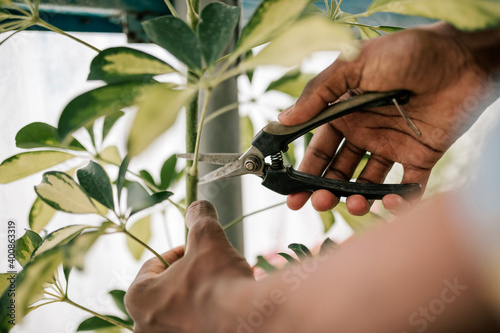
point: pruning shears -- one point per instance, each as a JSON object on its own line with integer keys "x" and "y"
{"x": 274, "y": 138}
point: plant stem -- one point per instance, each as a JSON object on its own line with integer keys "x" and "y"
{"x": 12, "y": 34}
{"x": 191, "y": 130}
{"x": 125, "y": 231}
{"x": 171, "y": 8}
{"x": 193, "y": 18}
{"x": 98, "y": 315}
{"x": 221, "y": 111}
{"x": 337, "y": 10}
{"x": 239, "y": 219}
{"x": 49, "y": 26}
{"x": 206, "y": 99}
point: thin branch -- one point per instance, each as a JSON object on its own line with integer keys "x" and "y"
{"x": 337, "y": 10}
{"x": 171, "y": 8}
{"x": 239, "y": 219}
{"x": 49, "y": 26}
{"x": 221, "y": 111}
{"x": 98, "y": 315}
{"x": 6, "y": 39}
{"x": 147, "y": 247}
{"x": 194, "y": 169}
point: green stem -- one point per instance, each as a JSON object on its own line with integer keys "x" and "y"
{"x": 46, "y": 303}
{"x": 337, "y": 10}
{"x": 206, "y": 99}
{"x": 126, "y": 232}
{"x": 193, "y": 11}
{"x": 221, "y": 111}
{"x": 98, "y": 315}
{"x": 12, "y": 34}
{"x": 191, "y": 130}
{"x": 239, "y": 219}
{"x": 49, "y": 26}
{"x": 171, "y": 8}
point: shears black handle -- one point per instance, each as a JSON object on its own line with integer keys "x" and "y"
{"x": 287, "y": 181}
{"x": 275, "y": 137}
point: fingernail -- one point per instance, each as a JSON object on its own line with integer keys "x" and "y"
{"x": 287, "y": 112}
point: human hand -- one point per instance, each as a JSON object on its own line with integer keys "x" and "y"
{"x": 447, "y": 85}
{"x": 177, "y": 299}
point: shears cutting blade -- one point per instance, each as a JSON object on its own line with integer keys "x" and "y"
{"x": 274, "y": 138}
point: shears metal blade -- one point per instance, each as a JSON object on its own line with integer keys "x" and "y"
{"x": 274, "y": 138}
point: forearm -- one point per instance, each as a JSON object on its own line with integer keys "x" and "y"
{"x": 410, "y": 275}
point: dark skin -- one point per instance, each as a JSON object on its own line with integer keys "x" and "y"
{"x": 385, "y": 280}
{"x": 441, "y": 73}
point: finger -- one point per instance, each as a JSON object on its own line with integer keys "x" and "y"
{"x": 296, "y": 201}
{"x": 374, "y": 172}
{"x": 155, "y": 266}
{"x": 396, "y": 204}
{"x": 318, "y": 156}
{"x": 204, "y": 228}
{"x": 325, "y": 88}
{"x": 342, "y": 168}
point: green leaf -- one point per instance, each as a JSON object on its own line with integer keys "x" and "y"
{"x": 61, "y": 192}
{"x": 265, "y": 265}
{"x": 5, "y": 281}
{"x": 139, "y": 199}
{"x": 42, "y": 135}
{"x": 111, "y": 155}
{"x": 168, "y": 173}
{"x": 147, "y": 177}
{"x": 246, "y": 132}
{"x": 142, "y": 230}
{"x": 25, "y": 246}
{"x": 59, "y": 237}
{"x": 358, "y": 223}
{"x": 327, "y": 246}
{"x": 309, "y": 35}
{"x": 216, "y": 29}
{"x": 40, "y": 215}
{"x": 95, "y": 323}
{"x": 26, "y": 164}
{"x": 361, "y": 165}
{"x": 118, "y": 297}
{"x": 292, "y": 83}
{"x": 328, "y": 220}
{"x": 367, "y": 32}
{"x": 269, "y": 19}
{"x": 300, "y": 250}
{"x": 158, "y": 110}
{"x": 125, "y": 64}
{"x": 109, "y": 122}
{"x": 76, "y": 249}
{"x": 95, "y": 182}
{"x": 120, "y": 181}
{"x": 86, "y": 108}
{"x": 29, "y": 285}
{"x": 388, "y": 29}
{"x": 174, "y": 35}
{"x": 291, "y": 260}
{"x": 6, "y": 3}
{"x": 466, "y": 15}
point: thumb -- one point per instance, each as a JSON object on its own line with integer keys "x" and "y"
{"x": 325, "y": 88}
{"x": 204, "y": 228}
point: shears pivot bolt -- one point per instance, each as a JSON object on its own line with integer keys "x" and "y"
{"x": 252, "y": 164}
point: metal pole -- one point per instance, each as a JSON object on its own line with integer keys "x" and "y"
{"x": 222, "y": 135}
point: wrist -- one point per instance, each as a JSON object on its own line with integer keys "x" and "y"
{"x": 223, "y": 303}
{"x": 482, "y": 46}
